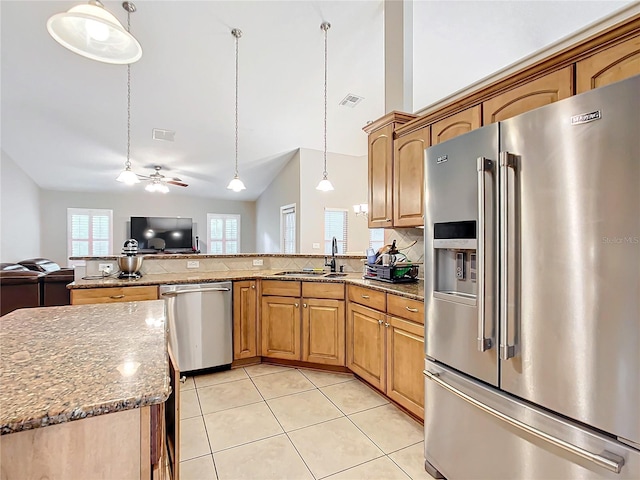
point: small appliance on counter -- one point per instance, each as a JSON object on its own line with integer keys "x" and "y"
{"x": 385, "y": 266}
{"x": 130, "y": 263}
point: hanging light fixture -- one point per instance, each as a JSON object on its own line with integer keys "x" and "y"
{"x": 236, "y": 184}
{"x": 325, "y": 184}
{"x": 91, "y": 31}
{"x": 126, "y": 175}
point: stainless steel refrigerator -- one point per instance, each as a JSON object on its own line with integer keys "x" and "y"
{"x": 532, "y": 296}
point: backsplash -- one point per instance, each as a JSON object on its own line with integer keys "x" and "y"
{"x": 405, "y": 237}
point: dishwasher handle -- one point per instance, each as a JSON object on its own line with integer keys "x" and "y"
{"x": 194, "y": 290}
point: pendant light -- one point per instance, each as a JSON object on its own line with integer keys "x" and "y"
{"x": 126, "y": 175}
{"x": 325, "y": 184}
{"x": 91, "y": 31}
{"x": 236, "y": 184}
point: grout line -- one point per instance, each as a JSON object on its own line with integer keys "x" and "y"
{"x": 354, "y": 466}
{"x": 206, "y": 432}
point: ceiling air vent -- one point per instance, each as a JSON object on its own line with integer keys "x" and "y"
{"x": 166, "y": 135}
{"x": 351, "y": 100}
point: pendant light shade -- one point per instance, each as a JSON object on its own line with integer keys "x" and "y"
{"x": 91, "y": 31}
{"x": 127, "y": 176}
{"x": 325, "y": 184}
{"x": 236, "y": 184}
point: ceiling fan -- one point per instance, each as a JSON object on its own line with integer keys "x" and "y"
{"x": 158, "y": 182}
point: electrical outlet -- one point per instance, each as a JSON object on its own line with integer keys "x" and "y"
{"x": 258, "y": 262}
{"x": 105, "y": 268}
{"x": 193, "y": 264}
{"x": 315, "y": 246}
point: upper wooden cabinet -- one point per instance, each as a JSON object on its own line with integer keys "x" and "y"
{"x": 608, "y": 66}
{"x": 544, "y": 90}
{"x": 408, "y": 178}
{"x": 380, "y": 172}
{"x": 461, "y": 122}
{"x": 381, "y": 177}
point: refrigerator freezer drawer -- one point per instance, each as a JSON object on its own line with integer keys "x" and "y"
{"x": 474, "y": 431}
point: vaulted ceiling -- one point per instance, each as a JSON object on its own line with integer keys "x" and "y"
{"x": 64, "y": 117}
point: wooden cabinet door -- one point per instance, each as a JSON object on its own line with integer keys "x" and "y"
{"x": 381, "y": 177}
{"x": 281, "y": 327}
{"x": 366, "y": 343}
{"x": 408, "y": 179}
{"x": 608, "y": 66}
{"x": 405, "y": 361}
{"x": 537, "y": 93}
{"x": 245, "y": 331}
{"x": 323, "y": 331}
{"x": 461, "y": 122}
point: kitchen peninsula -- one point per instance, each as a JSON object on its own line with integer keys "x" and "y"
{"x": 83, "y": 391}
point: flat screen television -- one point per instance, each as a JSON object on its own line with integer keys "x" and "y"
{"x": 157, "y": 234}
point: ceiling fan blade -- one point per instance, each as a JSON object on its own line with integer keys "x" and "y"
{"x": 179, "y": 184}
{"x": 175, "y": 179}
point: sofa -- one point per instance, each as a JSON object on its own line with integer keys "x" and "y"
{"x": 19, "y": 287}
{"x": 53, "y": 285}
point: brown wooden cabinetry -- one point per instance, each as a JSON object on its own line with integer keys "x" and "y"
{"x": 381, "y": 177}
{"x": 608, "y": 66}
{"x": 408, "y": 178}
{"x": 306, "y": 321}
{"x": 461, "y": 122}
{"x": 544, "y": 90}
{"x": 385, "y": 346}
{"x": 245, "y": 319}
{"x": 83, "y": 296}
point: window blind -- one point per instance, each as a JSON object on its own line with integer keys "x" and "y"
{"x": 288, "y": 229}
{"x": 335, "y": 225}
{"x": 89, "y": 232}
{"x": 223, "y": 233}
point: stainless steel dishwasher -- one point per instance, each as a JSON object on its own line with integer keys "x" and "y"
{"x": 200, "y": 322}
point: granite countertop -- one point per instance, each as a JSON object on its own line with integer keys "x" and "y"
{"x": 410, "y": 290}
{"x": 59, "y": 364}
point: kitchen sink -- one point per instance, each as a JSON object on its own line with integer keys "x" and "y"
{"x": 334, "y": 275}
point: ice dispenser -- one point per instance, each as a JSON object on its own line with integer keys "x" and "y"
{"x": 455, "y": 246}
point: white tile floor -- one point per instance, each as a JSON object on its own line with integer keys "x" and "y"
{"x": 269, "y": 422}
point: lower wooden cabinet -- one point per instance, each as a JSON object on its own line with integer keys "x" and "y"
{"x": 245, "y": 319}
{"x": 305, "y": 321}
{"x": 323, "y": 331}
{"x": 387, "y": 350}
{"x": 83, "y": 296}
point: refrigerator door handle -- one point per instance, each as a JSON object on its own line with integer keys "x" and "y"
{"x": 484, "y": 166}
{"x": 607, "y": 460}
{"x": 507, "y": 161}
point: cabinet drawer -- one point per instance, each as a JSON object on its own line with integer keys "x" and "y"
{"x": 406, "y": 308}
{"x": 323, "y": 290}
{"x": 368, "y": 297}
{"x": 113, "y": 294}
{"x": 281, "y": 288}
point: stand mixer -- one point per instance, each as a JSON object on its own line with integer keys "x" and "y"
{"x": 130, "y": 263}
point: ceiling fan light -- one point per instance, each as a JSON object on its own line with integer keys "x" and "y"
{"x": 151, "y": 187}
{"x": 236, "y": 184}
{"x": 162, "y": 188}
{"x": 324, "y": 185}
{"x": 91, "y": 31}
{"x": 128, "y": 177}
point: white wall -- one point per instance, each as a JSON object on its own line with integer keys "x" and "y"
{"x": 54, "y": 204}
{"x": 20, "y": 209}
{"x": 284, "y": 190}
{"x": 348, "y": 174}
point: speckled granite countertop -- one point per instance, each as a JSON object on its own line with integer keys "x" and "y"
{"x": 59, "y": 364}
{"x": 409, "y": 290}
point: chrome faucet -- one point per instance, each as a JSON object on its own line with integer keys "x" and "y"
{"x": 334, "y": 251}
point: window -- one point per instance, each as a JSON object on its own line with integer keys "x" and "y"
{"x": 89, "y": 233}
{"x": 288, "y": 228}
{"x": 335, "y": 225}
{"x": 376, "y": 238}
{"x": 223, "y": 233}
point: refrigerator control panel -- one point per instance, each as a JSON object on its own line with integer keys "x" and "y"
{"x": 460, "y": 265}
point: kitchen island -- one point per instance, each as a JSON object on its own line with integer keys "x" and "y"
{"x": 83, "y": 391}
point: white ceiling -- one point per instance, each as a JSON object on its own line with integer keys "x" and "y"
{"x": 64, "y": 117}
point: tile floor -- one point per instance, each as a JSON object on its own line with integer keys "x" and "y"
{"x": 269, "y": 422}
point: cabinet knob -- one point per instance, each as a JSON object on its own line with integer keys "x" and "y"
{"x": 295, "y": 305}
{"x": 387, "y": 220}
{"x": 413, "y": 310}
{"x": 365, "y": 296}
{"x": 253, "y": 286}
{"x": 304, "y": 305}
{"x": 380, "y": 322}
{"x": 183, "y": 379}
{"x": 387, "y": 324}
